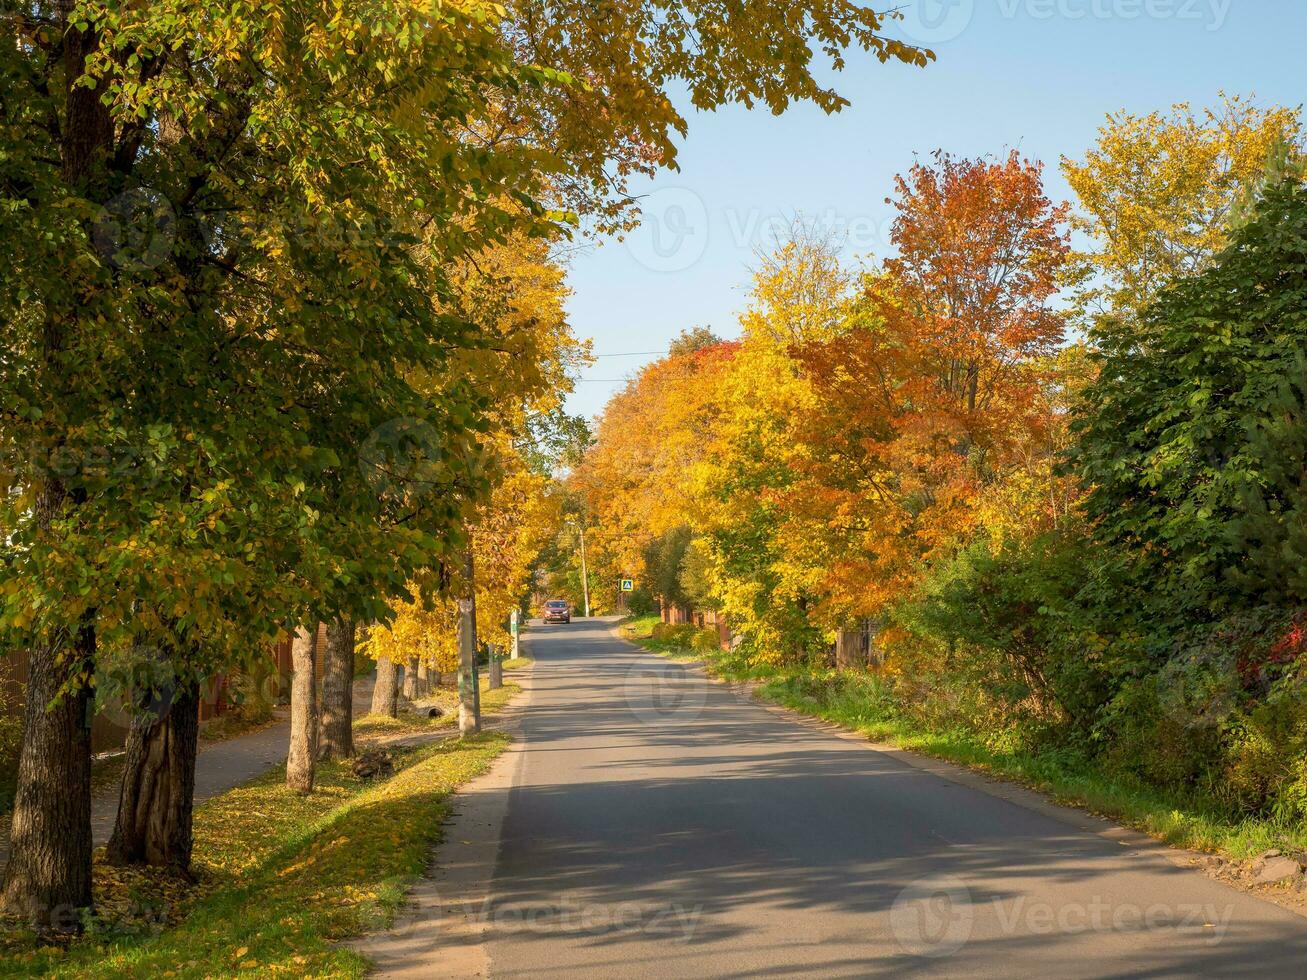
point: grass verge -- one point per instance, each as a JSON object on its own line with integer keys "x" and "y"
{"x": 865, "y": 703}
{"x": 519, "y": 662}
{"x": 415, "y": 723}
{"x": 283, "y": 877}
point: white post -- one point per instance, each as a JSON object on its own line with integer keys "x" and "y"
{"x": 469, "y": 692}
{"x": 513, "y": 629}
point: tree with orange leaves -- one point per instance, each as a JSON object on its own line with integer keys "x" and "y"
{"x": 938, "y": 382}
{"x": 636, "y": 483}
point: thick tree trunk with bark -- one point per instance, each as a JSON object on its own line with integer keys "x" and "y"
{"x": 301, "y": 759}
{"x": 424, "y": 679}
{"x": 48, "y": 878}
{"x": 157, "y": 798}
{"x": 411, "y": 679}
{"x": 385, "y": 693}
{"x": 338, "y": 692}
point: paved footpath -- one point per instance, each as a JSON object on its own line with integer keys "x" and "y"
{"x": 648, "y": 822}
{"x": 220, "y": 766}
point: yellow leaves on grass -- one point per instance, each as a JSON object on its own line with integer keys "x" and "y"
{"x": 143, "y": 899}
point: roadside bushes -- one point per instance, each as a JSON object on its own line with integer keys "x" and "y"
{"x": 1266, "y": 768}
{"x": 1223, "y": 715}
{"x": 640, "y": 603}
{"x": 1007, "y": 646}
{"x": 683, "y": 636}
{"x": 1007, "y": 621}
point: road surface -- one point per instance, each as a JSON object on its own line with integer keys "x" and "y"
{"x": 652, "y": 823}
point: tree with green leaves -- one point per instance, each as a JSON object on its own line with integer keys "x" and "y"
{"x": 1192, "y": 438}
{"x": 233, "y": 234}
{"x": 212, "y": 310}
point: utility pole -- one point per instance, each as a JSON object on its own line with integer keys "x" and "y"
{"x": 585, "y": 577}
{"x": 514, "y": 628}
{"x": 469, "y": 688}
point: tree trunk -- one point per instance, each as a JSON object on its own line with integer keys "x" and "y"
{"x": 338, "y": 692}
{"x": 411, "y": 679}
{"x": 469, "y": 693}
{"x": 496, "y": 667}
{"x": 48, "y": 878}
{"x": 385, "y": 693}
{"x": 849, "y": 654}
{"x": 424, "y": 679}
{"x": 157, "y": 798}
{"x": 300, "y": 768}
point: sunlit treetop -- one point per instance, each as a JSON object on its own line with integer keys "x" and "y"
{"x": 1158, "y": 194}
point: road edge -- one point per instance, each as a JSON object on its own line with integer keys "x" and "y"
{"x": 1011, "y": 791}
{"x": 444, "y": 915}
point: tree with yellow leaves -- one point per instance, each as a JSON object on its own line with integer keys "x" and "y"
{"x": 765, "y": 567}
{"x": 637, "y": 482}
{"x": 515, "y": 293}
{"x": 1158, "y": 194}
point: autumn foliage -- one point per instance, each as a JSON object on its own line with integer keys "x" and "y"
{"x": 1061, "y": 491}
{"x": 934, "y": 389}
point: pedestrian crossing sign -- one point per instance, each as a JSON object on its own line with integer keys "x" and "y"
{"x": 628, "y": 585}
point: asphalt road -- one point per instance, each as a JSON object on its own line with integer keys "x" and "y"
{"x": 661, "y": 825}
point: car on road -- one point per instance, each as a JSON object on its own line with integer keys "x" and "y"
{"x": 558, "y": 611}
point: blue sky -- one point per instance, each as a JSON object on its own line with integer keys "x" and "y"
{"x": 1035, "y": 75}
